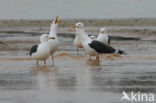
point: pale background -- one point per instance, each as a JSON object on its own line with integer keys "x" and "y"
{"x": 68, "y": 9}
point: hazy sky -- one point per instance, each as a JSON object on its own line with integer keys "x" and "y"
{"x": 47, "y": 9}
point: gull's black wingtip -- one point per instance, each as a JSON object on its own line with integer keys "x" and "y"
{"x": 122, "y": 52}
{"x": 33, "y": 49}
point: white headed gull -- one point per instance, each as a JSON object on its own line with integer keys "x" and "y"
{"x": 41, "y": 51}
{"x": 103, "y": 36}
{"x": 53, "y": 33}
{"x": 93, "y": 47}
{"x": 77, "y": 40}
{"x": 77, "y": 43}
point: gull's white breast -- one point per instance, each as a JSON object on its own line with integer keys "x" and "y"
{"x": 77, "y": 42}
{"x": 103, "y": 38}
{"x": 43, "y": 51}
{"x": 53, "y": 45}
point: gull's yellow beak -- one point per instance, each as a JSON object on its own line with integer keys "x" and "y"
{"x": 52, "y": 38}
{"x": 74, "y": 26}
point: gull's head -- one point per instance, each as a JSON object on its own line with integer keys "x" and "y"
{"x": 44, "y": 38}
{"x": 57, "y": 21}
{"x": 79, "y": 25}
{"x": 103, "y": 30}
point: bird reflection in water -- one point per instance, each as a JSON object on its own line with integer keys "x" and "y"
{"x": 45, "y": 68}
{"x": 66, "y": 81}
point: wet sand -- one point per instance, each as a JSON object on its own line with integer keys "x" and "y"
{"x": 73, "y": 79}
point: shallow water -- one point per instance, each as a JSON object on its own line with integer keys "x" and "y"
{"x": 73, "y": 79}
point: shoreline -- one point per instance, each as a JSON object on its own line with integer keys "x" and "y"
{"x": 87, "y": 22}
{"x": 22, "y": 34}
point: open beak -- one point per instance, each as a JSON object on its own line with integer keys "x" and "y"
{"x": 74, "y": 26}
{"x": 57, "y": 21}
{"x": 52, "y": 38}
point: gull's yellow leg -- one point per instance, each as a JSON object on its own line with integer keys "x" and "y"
{"x": 77, "y": 51}
{"x": 44, "y": 62}
{"x": 97, "y": 59}
{"x": 52, "y": 60}
{"x": 36, "y": 62}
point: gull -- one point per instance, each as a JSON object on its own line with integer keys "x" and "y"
{"x": 41, "y": 51}
{"x": 53, "y": 33}
{"x": 93, "y": 47}
{"x": 103, "y": 36}
{"x": 77, "y": 42}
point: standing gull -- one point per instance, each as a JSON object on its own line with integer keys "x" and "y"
{"x": 41, "y": 51}
{"x": 93, "y": 47}
{"x": 53, "y": 33}
{"x": 77, "y": 41}
{"x": 85, "y": 39}
{"x": 103, "y": 36}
